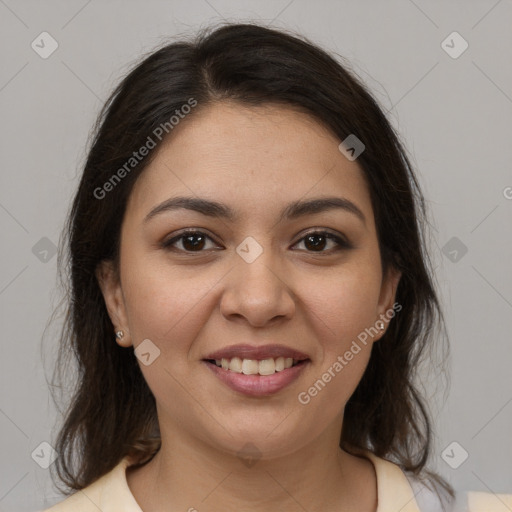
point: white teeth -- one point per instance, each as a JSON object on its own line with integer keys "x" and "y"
{"x": 267, "y": 367}
{"x": 235, "y": 365}
{"x": 250, "y": 367}
{"x": 254, "y": 367}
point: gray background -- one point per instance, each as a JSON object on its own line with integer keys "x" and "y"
{"x": 453, "y": 113}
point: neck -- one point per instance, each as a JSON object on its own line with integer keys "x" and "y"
{"x": 187, "y": 474}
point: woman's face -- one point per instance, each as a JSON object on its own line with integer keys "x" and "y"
{"x": 254, "y": 279}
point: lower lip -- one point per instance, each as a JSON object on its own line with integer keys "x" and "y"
{"x": 258, "y": 385}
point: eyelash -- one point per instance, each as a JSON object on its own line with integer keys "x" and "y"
{"x": 341, "y": 243}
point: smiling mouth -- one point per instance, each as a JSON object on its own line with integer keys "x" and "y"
{"x": 262, "y": 367}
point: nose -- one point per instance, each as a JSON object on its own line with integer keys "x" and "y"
{"x": 257, "y": 292}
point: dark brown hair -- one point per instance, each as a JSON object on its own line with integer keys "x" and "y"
{"x": 111, "y": 411}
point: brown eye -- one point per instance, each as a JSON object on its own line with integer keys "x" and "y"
{"x": 190, "y": 241}
{"x": 316, "y": 241}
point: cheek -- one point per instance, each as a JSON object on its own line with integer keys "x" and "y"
{"x": 165, "y": 304}
{"x": 342, "y": 316}
{"x": 169, "y": 307}
{"x": 346, "y": 303}
{"x": 342, "y": 311}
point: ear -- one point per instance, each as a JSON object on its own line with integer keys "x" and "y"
{"x": 387, "y": 296}
{"x": 110, "y": 285}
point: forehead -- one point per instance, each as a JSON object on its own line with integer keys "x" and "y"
{"x": 250, "y": 158}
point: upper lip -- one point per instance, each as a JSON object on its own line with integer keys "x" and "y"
{"x": 258, "y": 352}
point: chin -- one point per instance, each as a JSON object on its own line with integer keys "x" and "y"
{"x": 252, "y": 443}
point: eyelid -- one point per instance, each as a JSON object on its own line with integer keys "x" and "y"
{"x": 167, "y": 243}
{"x": 341, "y": 241}
{"x": 323, "y": 231}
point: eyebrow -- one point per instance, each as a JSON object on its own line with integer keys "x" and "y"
{"x": 292, "y": 211}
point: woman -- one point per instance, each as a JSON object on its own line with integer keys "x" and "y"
{"x": 251, "y": 294}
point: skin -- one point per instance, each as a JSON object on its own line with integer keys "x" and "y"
{"x": 256, "y": 160}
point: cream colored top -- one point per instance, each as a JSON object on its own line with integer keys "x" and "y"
{"x": 396, "y": 492}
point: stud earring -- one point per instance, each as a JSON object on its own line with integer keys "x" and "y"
{"x": 119, "y": 335}
{"x": 381, "y": 326}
